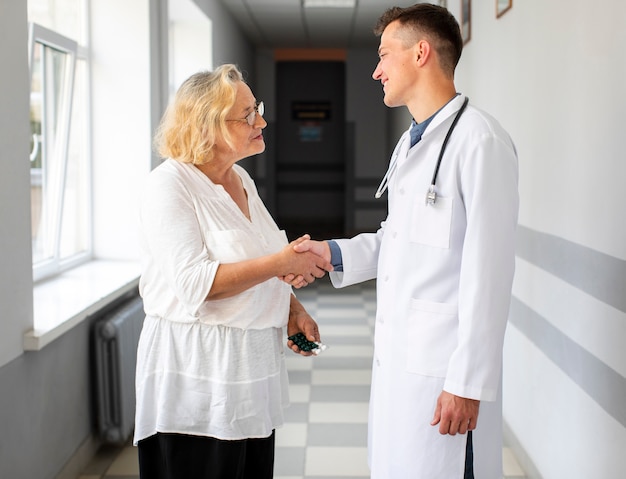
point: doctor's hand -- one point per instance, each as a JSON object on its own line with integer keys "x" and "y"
{"x": 455, "y": 414}
{"x": 305, "y": 244}
{"x": 320, "y": 248}
{"x": 305, "y": 266}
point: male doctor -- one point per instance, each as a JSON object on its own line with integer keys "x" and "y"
{"x": 444, "y": 264}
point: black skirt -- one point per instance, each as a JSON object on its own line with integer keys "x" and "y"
{"x": 180, "y": 456}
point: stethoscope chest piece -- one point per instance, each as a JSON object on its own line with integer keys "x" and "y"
{"x": 431, "y": 196}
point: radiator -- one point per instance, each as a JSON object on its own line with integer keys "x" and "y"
{"x": 116, "y": 336}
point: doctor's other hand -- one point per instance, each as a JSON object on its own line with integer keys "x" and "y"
{"x": 455, "y": 414}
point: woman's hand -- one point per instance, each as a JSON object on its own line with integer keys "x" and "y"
{"x": 301, "y": 322}
{"x": 309, "y": 263}
{"x": 304, "y": 244}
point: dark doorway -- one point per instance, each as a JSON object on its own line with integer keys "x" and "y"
{"x": 310, "y": 148}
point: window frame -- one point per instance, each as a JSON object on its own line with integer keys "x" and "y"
{"x": 54, "y": 182}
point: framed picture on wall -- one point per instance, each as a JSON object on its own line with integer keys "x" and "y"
{"x": 466, "y": 20}
{"x": 503, "y": 6}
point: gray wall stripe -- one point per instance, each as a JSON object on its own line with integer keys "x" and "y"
{"x": 597, "y": 274}
{"x": 605, "y": 385}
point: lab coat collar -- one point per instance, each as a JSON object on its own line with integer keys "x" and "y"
{"x": 446, "y": 112}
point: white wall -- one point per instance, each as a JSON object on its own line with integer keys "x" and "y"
{"x": 229, "y": 44}
{"x": 16, "y": 287}
{"x": 121, "y": 131}
{"x": 553, "y": 74}
{"x": 190, "y": 32}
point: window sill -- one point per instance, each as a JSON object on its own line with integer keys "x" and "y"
{"x": 65, "y": 301}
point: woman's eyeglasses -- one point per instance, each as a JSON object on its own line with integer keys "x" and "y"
{"x": 251, "y": 117}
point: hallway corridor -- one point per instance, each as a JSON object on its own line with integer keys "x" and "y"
{"x": 325, "y": 435}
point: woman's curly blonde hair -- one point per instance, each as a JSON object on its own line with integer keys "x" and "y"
{"x": 196, "y": 118}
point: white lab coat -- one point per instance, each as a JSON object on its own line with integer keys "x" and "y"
{"x": 444, "y": 274}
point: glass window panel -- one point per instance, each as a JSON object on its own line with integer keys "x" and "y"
{"x": 36, "y": 155}
{"x": 55, "y": 72}
{"x": 75, "y": 237}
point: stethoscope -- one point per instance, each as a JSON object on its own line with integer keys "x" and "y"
{"x": 431, "y": 195}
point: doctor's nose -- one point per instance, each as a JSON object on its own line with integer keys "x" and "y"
{"x": 377, "y": 72}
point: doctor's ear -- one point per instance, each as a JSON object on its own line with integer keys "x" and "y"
{"x": 422, "y": 51}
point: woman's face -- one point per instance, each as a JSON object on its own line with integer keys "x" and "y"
{"x": 247, "y": 139}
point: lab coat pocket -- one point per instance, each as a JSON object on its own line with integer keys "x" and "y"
{"x": 431, "y": 223}
{"x": 432, "y": 337}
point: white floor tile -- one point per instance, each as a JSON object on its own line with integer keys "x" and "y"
{"x": 329, "y": 314}
{"x": 345, "y": 330}
{"x": 336, "y": 461}
{"x": 299, "y": 393}
{"x": 291, "y": 435}
{"x": 349, "y": 351}
{"x": 295, "y": 362}
{"x": 341, "y": 377}
{"x": 338, "y": 412}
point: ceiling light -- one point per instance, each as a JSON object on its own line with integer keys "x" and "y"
{"x": 329, "y": 3}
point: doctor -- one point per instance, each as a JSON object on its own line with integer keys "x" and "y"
{"x": 444, "y": 263}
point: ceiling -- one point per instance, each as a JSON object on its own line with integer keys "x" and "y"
{"x": 288, "y": 24}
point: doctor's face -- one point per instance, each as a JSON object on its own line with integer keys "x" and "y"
{"x": 396, "y": 66}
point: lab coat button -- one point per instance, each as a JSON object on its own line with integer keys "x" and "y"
{"x": 401, "y": 191}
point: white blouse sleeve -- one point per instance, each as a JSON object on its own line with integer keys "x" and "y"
{"x": 174, "y": 242}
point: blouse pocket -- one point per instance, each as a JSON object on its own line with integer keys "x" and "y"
{"x": 431, "y": 223}
{"x": 228, "y": 246}
{"x": 432, "y": 337}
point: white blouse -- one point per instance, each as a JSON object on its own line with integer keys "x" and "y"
{"x": 213, "y": 368}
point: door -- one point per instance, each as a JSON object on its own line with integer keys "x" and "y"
{"x": 310, "y": 148}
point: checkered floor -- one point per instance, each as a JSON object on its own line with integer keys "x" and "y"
{"x": 325, "y": 435}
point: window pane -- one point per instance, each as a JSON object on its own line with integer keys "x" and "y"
{"x": 49, "y": 111}
{"x": 37, "y": 186}
{"x": 76, "y": 207}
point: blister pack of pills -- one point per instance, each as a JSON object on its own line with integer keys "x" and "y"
{"x": 305, "y": 345}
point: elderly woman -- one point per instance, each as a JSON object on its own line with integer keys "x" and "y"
{"x": 211, "y": 377}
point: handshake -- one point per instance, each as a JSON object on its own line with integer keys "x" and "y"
{"x": 303, "y": 260}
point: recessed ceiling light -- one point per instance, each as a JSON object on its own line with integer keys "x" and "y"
{"x": 329, "y": 3}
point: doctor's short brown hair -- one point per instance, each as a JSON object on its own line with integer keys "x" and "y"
{"x": 196, "y": 118}
{"x": 432, "y": 23}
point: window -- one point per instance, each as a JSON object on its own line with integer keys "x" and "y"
{"x": 59, "y": 159}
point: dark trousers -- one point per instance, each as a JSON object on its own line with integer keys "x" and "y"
{"x": 469, "y": 457}
{"x": 180, "y": 456}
